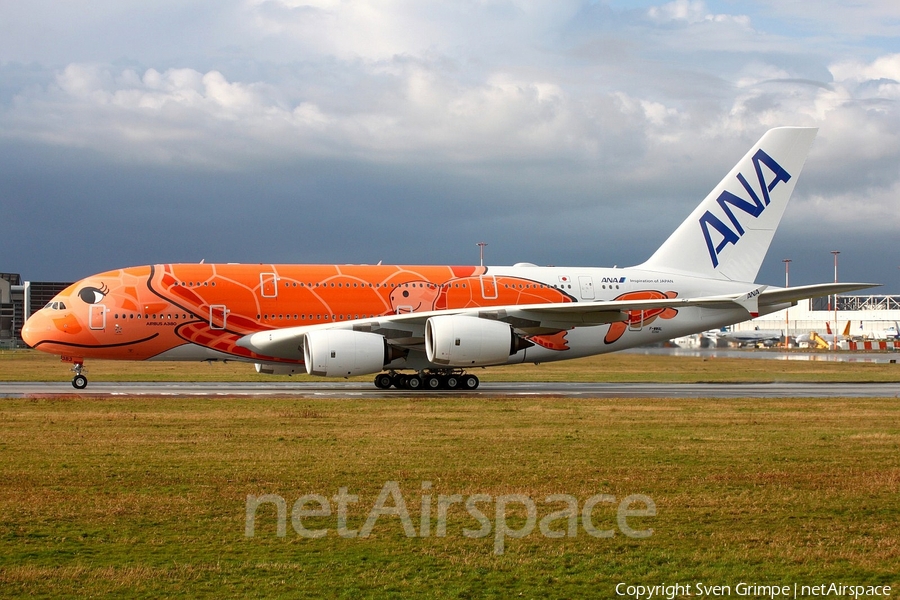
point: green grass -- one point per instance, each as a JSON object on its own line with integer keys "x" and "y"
{"x": 145, "y": 497}
{"x": 30, "y": 365}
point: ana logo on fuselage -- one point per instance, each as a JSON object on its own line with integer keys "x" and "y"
{"x": 753, "y": 207}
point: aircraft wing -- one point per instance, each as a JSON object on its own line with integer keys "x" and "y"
{"x": 407, "y": 330}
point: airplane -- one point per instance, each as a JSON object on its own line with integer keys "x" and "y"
{"x": 755, "y": 336}
{"x": 890, "y": 333}
{"x": 687, "y": 341}
{"x": 823, "y": 340}
{"x": 427, "y": 327}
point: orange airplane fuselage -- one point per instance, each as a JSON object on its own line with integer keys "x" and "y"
{"x": 149, "y": 312}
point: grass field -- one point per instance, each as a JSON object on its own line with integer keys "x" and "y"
{"x": 147, "y": 497}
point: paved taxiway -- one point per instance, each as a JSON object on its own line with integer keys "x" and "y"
{"x": 344, "y": 389}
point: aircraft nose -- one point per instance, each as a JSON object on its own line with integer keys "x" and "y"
{"x": 32, "y": 329}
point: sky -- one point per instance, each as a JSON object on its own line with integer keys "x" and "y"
{"x": 559, "y": 132}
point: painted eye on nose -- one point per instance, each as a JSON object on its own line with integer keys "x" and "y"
{"x": 92, "y": 295}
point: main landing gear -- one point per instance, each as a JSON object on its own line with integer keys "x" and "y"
{"x": 79, "y": 382}
{"x": 428, "y": 380}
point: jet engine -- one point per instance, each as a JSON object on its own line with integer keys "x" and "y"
{"x": 461, "y": 341}
{"x": 343, "y": 353}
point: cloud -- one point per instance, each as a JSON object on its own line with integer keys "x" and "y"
{"x": 844, "y": 20}
{"x": 692, "y": 11}
{"x": 416, "y": 111}
{"x": 542, "y": 121}
{"x": 884, "y": 72}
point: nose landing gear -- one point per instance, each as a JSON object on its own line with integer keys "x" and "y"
{"x": 79, "y": 382}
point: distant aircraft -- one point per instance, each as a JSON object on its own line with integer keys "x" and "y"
{"x": 687, "y": 341}
{"x": 754, "y": 337}
{"x": 890, "y": 333}
{"x": 426, "y": 326}
{"x": 823, "y": 340}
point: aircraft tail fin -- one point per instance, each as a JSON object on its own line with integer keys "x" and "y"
{"x": 728, "y": 234}
{"x": 846, "y": 330}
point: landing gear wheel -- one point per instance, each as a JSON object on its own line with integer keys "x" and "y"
{"x": 470, "y": 382}
{"x": 383, "y": 381}
{"x": 452, "y": 382}
{"x": 414, "y": 382}
{"x": 79, "y": 382}
{"x": 432, "y": 382}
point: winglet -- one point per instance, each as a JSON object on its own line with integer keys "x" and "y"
{"x": 728, "y": 234}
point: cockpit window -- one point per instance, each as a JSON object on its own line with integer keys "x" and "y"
{"x": 93, "y": 295}
{"x": 55, "y": 305}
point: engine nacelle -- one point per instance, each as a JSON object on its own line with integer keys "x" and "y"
{"x": 461, "y": 341}
{"x": 342, "y": 353}
{"x": 279, "y": 369}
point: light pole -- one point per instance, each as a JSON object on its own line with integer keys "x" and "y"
{"x": 835, "y": 253}
{"x": 787, "y": 283}
{"x": 481, "y": 246}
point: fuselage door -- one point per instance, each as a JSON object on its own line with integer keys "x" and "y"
{"x": 635, "y": 320}
{"x": 268, "y": 285}
{"x": 97, "y": 317}
{"x": 218, "y": 315}
{"x": 587, "y": 287}
{"x": 489, "y": 287}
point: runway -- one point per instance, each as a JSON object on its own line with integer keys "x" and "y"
{"x": 357, "y": 390}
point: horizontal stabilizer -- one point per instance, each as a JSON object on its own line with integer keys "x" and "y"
{"x": 774, "y": 296}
